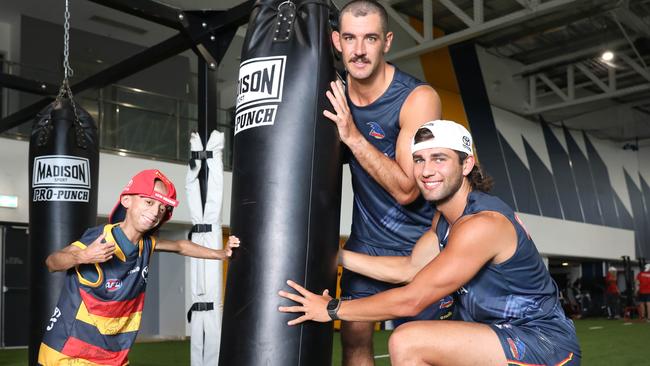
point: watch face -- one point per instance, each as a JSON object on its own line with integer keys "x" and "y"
{"x": 333, "y": 304}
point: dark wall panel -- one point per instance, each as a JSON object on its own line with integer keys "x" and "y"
{"x": 636, "y": 198}
{"x": 584, "y": 181}
{"x": 544, "y": 184}
{"x": 645, "y": 246}
{"x": 603, "y": 185}
{"x": 522, "y": 185}
{"x": 566, "y": 185}
{"x": 623, "y": 214}
{"x": 481, "y": 121}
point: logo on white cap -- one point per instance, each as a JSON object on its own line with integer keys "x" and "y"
{"x": 447, "y": 134}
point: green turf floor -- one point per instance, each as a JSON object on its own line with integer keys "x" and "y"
{"x": 604, "y": 342}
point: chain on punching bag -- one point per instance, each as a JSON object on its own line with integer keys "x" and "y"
{"x": 63, "y": 173}
{"x": 286, "y": 194}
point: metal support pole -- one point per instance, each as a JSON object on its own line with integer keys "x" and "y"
{"x": 207, "y": 108}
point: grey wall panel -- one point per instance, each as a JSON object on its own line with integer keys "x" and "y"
{"x": 566, "y": 185}
{"x": 623, "y": 214}
{"x": 645, "y": 190}
{"x": 522, "y": 184}
{"x": 544, "y": 184}
{"x": 636, "y": 198}
{"x": 584, "y": 181}
{"x": 603, "y": 185}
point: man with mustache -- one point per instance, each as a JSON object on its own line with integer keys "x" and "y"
{"x": 376, "y": 113}
{"x": 98, "y": 314}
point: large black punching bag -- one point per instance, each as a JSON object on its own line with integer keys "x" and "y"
{"x": 63, "y": 173}
{"x": 286, "y": 186}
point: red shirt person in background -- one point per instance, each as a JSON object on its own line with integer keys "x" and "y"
{"x": 643, "y": 279}
{"x": 612, "y": 294}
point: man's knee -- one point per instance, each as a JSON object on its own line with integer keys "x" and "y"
{"x": 400, "y": 343}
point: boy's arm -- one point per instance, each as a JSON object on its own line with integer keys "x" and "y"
{"x": 72, "y": 255}
{"x": 190, "y": 249}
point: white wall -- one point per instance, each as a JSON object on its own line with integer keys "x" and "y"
{"x": 114, "y": 173}
{"x": 559, "y": 238}
{"x": 13, "y": 178}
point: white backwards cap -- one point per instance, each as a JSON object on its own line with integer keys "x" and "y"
{"x": 447, "y": 134}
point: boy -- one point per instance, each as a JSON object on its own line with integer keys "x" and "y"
{"x": 99, "y": 310}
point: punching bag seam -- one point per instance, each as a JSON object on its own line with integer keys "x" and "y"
{"x": 317, "y": 117}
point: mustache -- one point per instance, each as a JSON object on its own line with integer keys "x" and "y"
{"x": 360, "y": 58}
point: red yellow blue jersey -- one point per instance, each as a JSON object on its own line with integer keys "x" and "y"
{"x": 100, "y": 307}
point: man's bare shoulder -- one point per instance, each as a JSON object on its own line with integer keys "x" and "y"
{"x": 483, "y": 225}
{"x": 422, "y": 105}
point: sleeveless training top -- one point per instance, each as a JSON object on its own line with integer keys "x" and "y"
{"x": 519, "y": 291}
{"x": 377, "y": 218}
{"x": 98, "y": 314}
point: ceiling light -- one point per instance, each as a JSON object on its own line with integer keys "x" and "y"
{"x": 565, "y": 264}
{"x": 607, "y": 56}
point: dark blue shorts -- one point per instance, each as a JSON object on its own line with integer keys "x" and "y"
{"x": 644, "y": 297}
{"x": 528, "y": 346}
{"x": 356, "y": 286}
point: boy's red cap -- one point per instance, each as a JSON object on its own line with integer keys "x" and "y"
{"x": 143, "y": 185}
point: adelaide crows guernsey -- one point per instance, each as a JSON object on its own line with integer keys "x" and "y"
{"x": 98, "y": 314}
{"x": 377, "y": 218}
{"x": 517, "y": 292}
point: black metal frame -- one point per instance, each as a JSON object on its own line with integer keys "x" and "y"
{"x": 208, "y": 33}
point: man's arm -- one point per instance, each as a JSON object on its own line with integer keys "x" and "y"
{"x": 72, "y": 255}
{"x": 473, "y": 242}
{"x": 395, "y": 176}
{"x": 190, "y": 249}
{"x": 393, "y": 269}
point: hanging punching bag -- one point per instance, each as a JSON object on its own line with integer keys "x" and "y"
{"x": 63, "y": 170}
{"x": 286, "y": 186}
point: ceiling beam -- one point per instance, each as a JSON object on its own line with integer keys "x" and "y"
{"x": 27, "y": 85}
{"x": 480, "y": 28}
{"x": 152, "y": 11}
{"x": 566, "y": 58}
{"x": 593, "y": 90}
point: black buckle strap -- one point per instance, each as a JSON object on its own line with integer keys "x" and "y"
{"x": 199, "y": 228}
{"x": 199, "y": 155}
{"x": 199, "y": 306}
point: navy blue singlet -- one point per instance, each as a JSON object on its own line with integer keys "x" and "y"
{"x": 377, "y": 218}
{"x": 518, "y": 293}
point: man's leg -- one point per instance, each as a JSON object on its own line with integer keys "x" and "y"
{"x": 356, "y": 339}
{"x": 441, "y": 342}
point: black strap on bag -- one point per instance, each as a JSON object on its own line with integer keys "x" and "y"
{"x": 199, "y": 306}
{"x": 199, "y": 155}
{"x": 199, "y": 228}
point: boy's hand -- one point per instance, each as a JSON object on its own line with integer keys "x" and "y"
{"x": 233, "y": 242}
{"x": 97, "y": 252}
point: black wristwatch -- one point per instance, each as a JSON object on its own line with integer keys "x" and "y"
{"x": 333, "y": 308}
